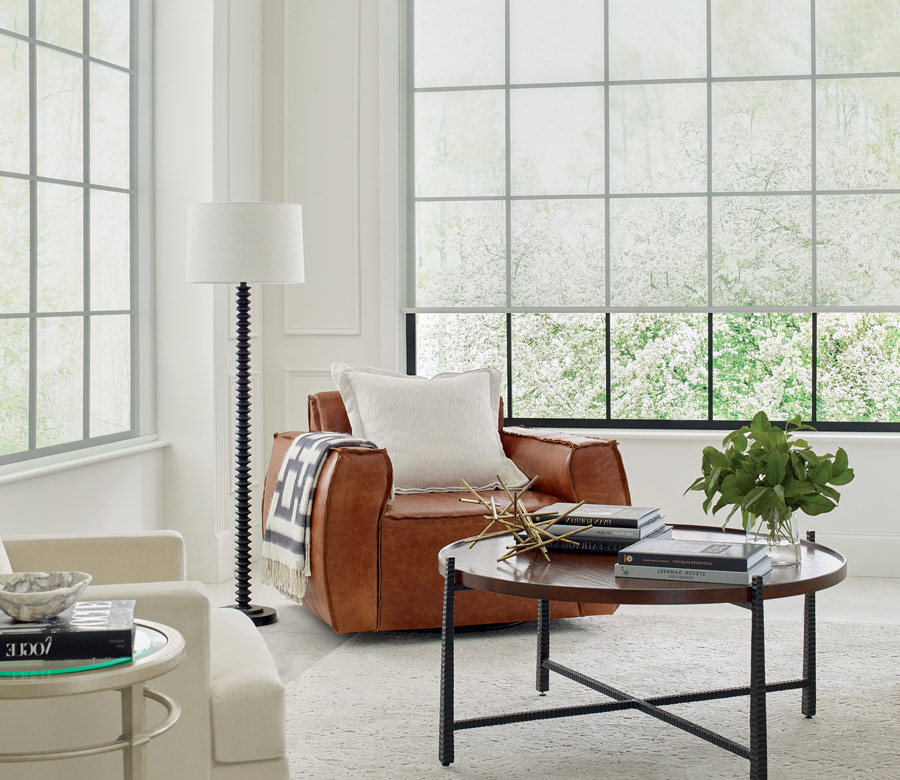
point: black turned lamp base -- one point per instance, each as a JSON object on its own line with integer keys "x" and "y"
{"x": 261, "y": 616}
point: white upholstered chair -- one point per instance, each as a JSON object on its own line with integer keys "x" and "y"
{"x": 232, "y": 700}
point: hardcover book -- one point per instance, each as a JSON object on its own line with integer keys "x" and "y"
{"x": 87, "y": 629}
{"x": 603, "y": 514}
{"x": 693, "y": 554}
{"x": 602, "y": 532}
{"x": 763, "y": 567}
{"x": 607, "y": 546}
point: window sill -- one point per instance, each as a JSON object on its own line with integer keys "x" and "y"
{"x": 634, "y": 434}
{"x": 39, "y": 467}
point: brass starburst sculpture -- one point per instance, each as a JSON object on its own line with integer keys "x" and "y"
{"x": 531, "y": 532}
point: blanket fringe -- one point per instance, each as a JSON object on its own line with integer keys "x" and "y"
{"x": 287, "y": 581}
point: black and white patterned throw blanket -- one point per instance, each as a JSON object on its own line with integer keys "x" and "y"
{"x": 285, "y": 558}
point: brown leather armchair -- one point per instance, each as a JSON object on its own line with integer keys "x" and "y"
{"x": 374, "y": 558}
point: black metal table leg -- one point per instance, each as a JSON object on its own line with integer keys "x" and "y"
{"x": 808, "y": 702}
{"x": 445, "y": 737}
{"x": 758, "y": 741}
{"x": 542, "y": 680}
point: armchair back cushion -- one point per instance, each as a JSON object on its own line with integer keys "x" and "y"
{"x": 328, "y": 413}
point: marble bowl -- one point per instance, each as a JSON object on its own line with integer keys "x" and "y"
{"x": 30, "y": 596}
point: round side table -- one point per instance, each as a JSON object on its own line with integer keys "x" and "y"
{"x": 157, "y": 650}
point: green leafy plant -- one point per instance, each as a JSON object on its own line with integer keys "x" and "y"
{"x": 766, "y": 473}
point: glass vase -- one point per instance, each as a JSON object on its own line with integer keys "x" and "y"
{"x": 781, "y": 534}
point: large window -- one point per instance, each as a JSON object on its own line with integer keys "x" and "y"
{"x": 67, "y": 225}
{"x": 658, "y": 212}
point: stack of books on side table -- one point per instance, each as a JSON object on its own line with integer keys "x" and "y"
{"x": 607, "y": 528}
{"x": 86, "y": 630}
{"x": 733, "y": 563}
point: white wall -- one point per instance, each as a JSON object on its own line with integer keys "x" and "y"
{"x": 183, "y": 98}
{"x": 332, "y": 87}
{"x": 123, "y": 493}
{"x": 321, "y": 106}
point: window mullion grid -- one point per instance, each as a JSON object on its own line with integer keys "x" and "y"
{"x": 711, "y": 310}
{"x": 86, "y": 225}
{"x": 814, "y": 232}
{"x": 709, "y": 215}
{"x": 507, "y": 119}
{"x": 33, "y": 227}
{"x": 607, "y": 271}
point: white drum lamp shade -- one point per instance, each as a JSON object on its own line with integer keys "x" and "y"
{"x": 229, "y": 243}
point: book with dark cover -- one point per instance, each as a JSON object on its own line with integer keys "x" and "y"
{"x": 87, "y": 629}
{"x": 607, "y": 546}
{"x": 604, "y": 532}
{"x": 602, "y": 514}
{"x": 693, "y": 554}
{"x": 764, "y": 566}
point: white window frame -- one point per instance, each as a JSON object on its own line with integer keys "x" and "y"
{"x": 141, "y": 434}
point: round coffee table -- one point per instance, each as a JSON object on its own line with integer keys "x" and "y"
{"x": 157, "y": 650}
{"x": 589, "y": 578}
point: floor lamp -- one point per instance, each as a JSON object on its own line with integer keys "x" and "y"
{"x": 243, "y": 244}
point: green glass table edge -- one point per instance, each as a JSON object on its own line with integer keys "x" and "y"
{"x": 103, "y": 663}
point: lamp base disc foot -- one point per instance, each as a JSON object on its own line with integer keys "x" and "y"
{"x": 261, "y": 616}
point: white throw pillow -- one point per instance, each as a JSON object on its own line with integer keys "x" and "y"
{"x": 437, "y": 432}
{"x": 5, "y": 565}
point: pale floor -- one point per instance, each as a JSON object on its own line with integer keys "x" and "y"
{"x": 299, "y": 640}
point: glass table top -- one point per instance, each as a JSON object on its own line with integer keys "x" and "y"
{"x": 146, "y": 642}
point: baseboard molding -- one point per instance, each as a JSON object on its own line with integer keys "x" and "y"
{"x": 868, "y": 554}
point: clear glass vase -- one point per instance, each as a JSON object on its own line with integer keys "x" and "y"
{"x": 780, "y": 533}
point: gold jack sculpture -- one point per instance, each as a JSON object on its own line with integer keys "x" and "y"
{"x": 531, "y": 532}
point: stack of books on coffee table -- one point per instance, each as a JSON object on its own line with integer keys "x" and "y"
{"x": 734, "y": 563}
{"x": 607, "y": 528}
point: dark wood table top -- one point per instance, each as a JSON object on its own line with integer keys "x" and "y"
{"x": 589, "y": 578}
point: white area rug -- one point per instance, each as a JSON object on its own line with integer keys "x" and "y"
{"x": 370, "y": 708}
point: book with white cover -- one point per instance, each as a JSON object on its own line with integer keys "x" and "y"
{"x": 602, "y": 514}
{"x": 608, "y": 532}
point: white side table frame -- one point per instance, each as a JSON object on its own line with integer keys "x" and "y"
{"x": 129, "y": 679}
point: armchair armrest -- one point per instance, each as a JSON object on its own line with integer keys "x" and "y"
{"x": 184, "y": 606}
{"x": 154, "y": 556}
{"x": 353, "y": 488}
{"x": 575, "y": 468}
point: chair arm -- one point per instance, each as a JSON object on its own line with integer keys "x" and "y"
{"x": 184, "y": 752}
{"x": 575, "y": 468}
{"x": 353, "y": 488}
{"x": 153, "y": 556}
{"x": 280, "y": 446}
{"x": 183, "y": 605}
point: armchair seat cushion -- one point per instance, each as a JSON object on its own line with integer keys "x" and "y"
{"x": 246, "y": 696}
{"x": 447, "y": 506}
